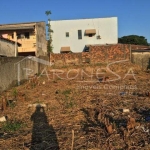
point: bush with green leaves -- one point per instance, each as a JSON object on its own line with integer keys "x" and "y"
{"x": 12, "y": 126}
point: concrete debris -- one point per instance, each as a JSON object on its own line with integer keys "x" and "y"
{"x": 125, "y": 110}
{"x": 3, "y": 119}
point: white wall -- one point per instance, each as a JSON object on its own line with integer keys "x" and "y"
{"x": 107, "y": 28}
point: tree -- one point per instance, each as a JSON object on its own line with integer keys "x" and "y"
{"x": 133, "y": 39}
{"x": 49, "y": 31}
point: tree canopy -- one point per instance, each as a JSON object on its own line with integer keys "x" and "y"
{"x": 133, "y": 39}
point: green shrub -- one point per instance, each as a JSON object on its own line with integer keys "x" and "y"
{"x": 11, "y": 104}
{"x": 12, "y": 126}
{"x": 66, "y": 92}
{"x": 15, "y": 92}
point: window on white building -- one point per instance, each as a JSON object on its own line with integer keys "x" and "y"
{"x": 90, "y": 32}
{"x": 79, "y": 34}
{"x": 67, "y": 34}
{"x": 90, "y": 35}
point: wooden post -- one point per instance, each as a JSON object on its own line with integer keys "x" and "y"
{"x": 72, "y": 140}
{"x": 18, "y": 69}
{"x": 130, "y": 53}
{"x": 142, "y": 61}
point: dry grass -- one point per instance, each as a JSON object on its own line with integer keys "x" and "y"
{"x": 91, "y": 110}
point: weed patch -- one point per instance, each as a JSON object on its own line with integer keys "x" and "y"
{"x": 66, "y": 92}
{"x": 12, "y": 126}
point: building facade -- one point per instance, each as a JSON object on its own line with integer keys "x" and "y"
{"x": 74, "y": 35}
{"x": 31, "y": 37}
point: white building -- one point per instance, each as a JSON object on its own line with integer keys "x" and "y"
{"x": 75, "y": 34}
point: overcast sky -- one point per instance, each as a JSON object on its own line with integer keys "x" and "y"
{"x": 133, "y": 15}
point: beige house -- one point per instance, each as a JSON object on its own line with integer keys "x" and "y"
{"x": 31, "y": 36}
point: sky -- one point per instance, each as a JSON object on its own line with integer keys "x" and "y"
{"x": 133, "y": 15}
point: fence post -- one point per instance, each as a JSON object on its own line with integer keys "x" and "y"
{"x": 124, "y": 49}
{"x": 130, "y": 53}
{"x": 18, "y": 69}
{"x": 142, "y": 61}
{"x": 106, "y": 55}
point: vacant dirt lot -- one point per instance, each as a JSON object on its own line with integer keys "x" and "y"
{"x": 83, "y": 108}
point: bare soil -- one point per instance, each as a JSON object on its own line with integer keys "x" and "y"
{"x": 83, "y": 112}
